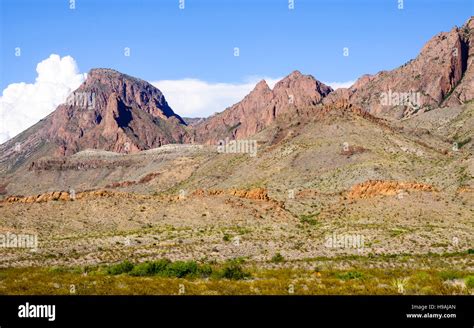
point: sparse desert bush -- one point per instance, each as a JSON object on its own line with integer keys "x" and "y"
{"x": 233, "y": 270}
{"x": 74, "y": 269}
{"x": 309, "y": 218}
{"x": 277, "y": 258}
{"x": 162, "y": 268}
{"x": 150, "y": 268}
{"x": 123, "y": 267}
{"x": 350, "y": 275}
{"x": 449, "y": 275}
{"x": 422, "y": 278}
{"x": 389, "y": 281}
{"x": 470, "y": 281}
{"x": 181, "y": 269}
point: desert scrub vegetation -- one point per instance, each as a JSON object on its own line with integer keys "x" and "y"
{"x": 470, "y": 281}
{"x": 278, "y": 258}
{"x": 309, "y": 218}
{"x": 349, "y": 275}
{"x": 228, "y": 279}
{"x": 362, "y": 281}
{"x": 120, "y": 268}
{"x": 232, "y": 269}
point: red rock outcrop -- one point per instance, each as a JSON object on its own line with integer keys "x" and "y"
{"x": 122, "y": 114}
{"x": 147, "y": 178}
{"x": 442, "y": 74}
{"x": 464, "y": 91}
{"x": 261, "y": 107}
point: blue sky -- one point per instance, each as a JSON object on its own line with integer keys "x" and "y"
{"x": 167, "y": 43}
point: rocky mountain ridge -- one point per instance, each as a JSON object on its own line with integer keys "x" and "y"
{"x": 115, "y": 112}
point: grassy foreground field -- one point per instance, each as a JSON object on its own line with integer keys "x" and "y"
{"x": 326, "y": 277}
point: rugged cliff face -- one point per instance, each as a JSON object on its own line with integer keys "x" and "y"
{"x": 116, "y": 112}
{"x": 441, "y": 75}
{"x": 261, "y": 106}
{"x": 109, "y": 111}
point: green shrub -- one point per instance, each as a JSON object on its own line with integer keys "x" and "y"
{"x": 233, "y": 270}
{"x": 470, "y": 281}
{"x": 350, "y": 275}
{"x": 422, "y": 277}
{"x": 56, "y": 269}
{"x": 142, "y": 269}
{"x": 449, "y": 275}
{"x": 309, "y": 219}
{"x": 277, "y": 258}
{"x": 150, "y": 268}
{"x": 182, "y": 269}
{"x": 166, "y": 268}
{"x": 205, "y": 270}
{"x": 123, "y": 267}
{"x": 179, "y": 269}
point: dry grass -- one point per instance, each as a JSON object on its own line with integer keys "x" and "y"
{"x": 360, "y": 281}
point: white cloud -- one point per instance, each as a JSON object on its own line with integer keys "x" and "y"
{"x": 337, "y": 85}
{"x": 24, "y": 104}
{"x": 197, "y": 98}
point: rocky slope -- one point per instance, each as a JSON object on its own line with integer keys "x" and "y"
{"x": 441, "y": 75}
{"x": 339, "y": 172}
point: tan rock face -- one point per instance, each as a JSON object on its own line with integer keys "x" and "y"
{"x": 260, "y": 108}
{"x": 442, "y": 74}
{"x": 374, "y": 188}
{"x": 65, "y": 196}
{"x": 254, "y": 194}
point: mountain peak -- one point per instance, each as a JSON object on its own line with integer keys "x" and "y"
{"x": 260, "y": 87}
{"x": 295, "y": 74}
{"x": 99, "y": 70}
{"x": 262, "y": 106}
{"x": 302, "y": 87}
{"x": 103, "y": 74}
